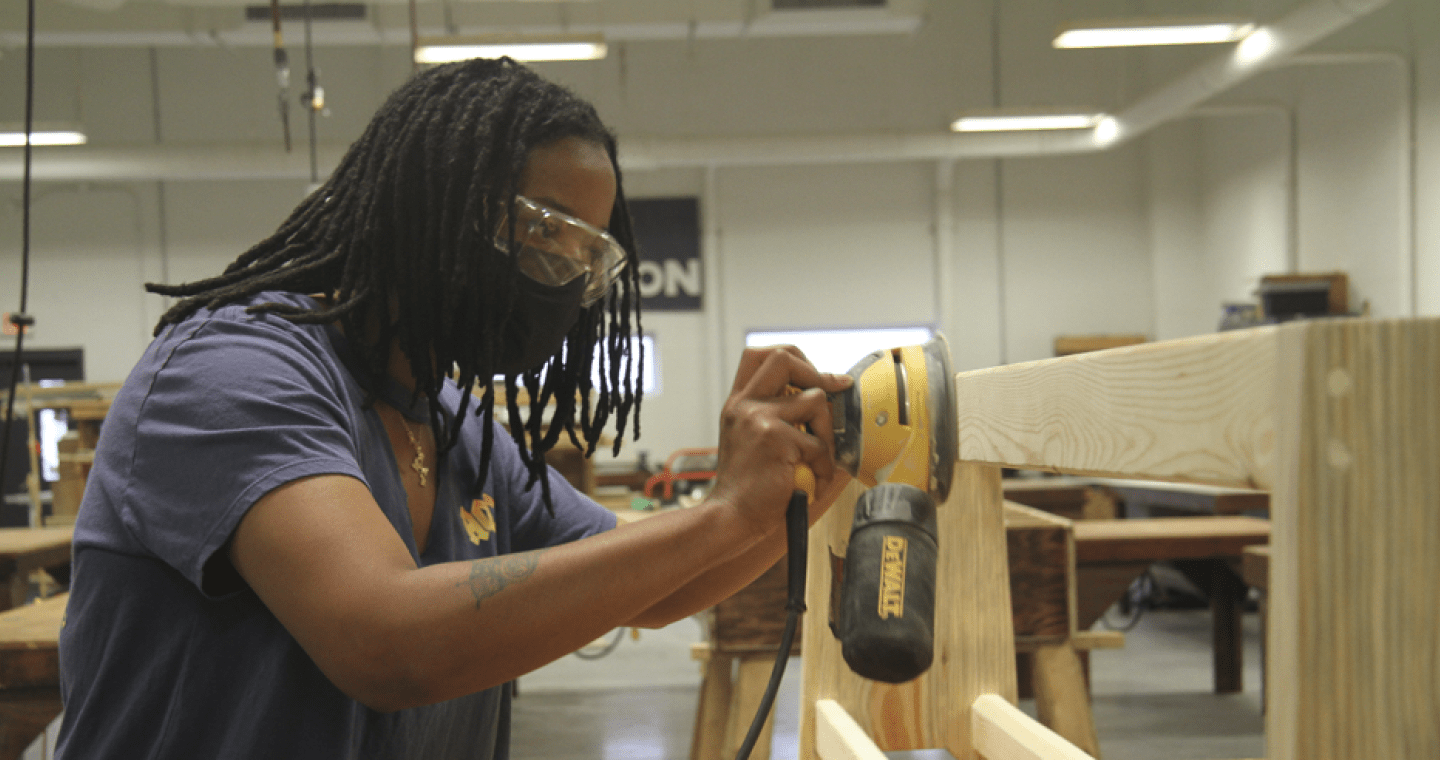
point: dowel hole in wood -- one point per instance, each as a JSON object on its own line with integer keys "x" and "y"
{"x": 1338, "y": 382}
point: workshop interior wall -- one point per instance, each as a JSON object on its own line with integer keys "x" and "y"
{"x": 1150, "y": 237}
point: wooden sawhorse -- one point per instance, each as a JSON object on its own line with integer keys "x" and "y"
{"x": 1338, "y": 419}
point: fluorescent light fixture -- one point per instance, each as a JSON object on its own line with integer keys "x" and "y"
{"x": 49, "y": 137}
{"x": 1108, "y": 130}
{"x": 570, "y": 47}
{"x": 1140, "y": 32}
{"x": 1255, "y": 48}
{"x": 1022, "y": 122}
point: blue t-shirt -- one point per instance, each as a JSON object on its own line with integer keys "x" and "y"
{"x": 165, "y": 652}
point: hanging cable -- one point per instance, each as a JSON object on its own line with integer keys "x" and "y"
{"x": 314, "y": 93}
{"x": 414, "y": 37}
{"x": 282, "y": 72}
{"x": 21, "y": 319}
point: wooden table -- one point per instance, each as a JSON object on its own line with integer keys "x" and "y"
{"x": 1185, "y": 497}
{"x": 25, "y": 550}
{"x": 1077, "y": 497}
{"x": 1110, "y": 554}
{"x": 29, "y": 672}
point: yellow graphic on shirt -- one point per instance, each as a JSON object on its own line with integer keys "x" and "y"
{"x": 479, "y": 518}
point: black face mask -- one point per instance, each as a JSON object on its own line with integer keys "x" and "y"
{"x": 539, "y": 320}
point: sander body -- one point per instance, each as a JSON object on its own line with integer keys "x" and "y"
{"x": 895, "y": 432}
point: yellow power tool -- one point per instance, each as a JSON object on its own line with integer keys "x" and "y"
{"x": 895, "y": 431}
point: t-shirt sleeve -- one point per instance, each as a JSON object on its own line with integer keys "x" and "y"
{"x": 236, "y": 409}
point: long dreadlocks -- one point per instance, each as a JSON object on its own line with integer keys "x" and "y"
{"x": 409, "y": 219}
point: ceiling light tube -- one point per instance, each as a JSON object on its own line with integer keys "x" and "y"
{"x": 549, "y": 48}
{"x": 1025, "y": 122}
{"x": 1152, "y": 32}
{"x": 49, "y": 137}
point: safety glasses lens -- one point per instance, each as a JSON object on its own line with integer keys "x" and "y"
{"x": 555, "y": 248}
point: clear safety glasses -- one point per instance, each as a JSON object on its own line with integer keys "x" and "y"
{"x": 555, "y": 248}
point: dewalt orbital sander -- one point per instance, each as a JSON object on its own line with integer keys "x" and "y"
{"x": 895, "y": 431}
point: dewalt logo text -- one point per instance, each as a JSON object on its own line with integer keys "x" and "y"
{"x": 892, "y": 577}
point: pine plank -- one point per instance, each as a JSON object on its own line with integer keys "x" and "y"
{"x": 974, "y": 641}
{"x": 1196, "y": 410}
{"x": 839, "y": 737}
{"x": 1353, "y": 653}
{"x": 1002, "y": 732}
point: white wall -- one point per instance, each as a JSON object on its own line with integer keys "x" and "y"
{"x": 1357, "y": 203}
{"x": 1149, "y": 238}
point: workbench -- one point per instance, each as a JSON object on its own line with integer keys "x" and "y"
{"x": 1110, "y": 554}
{"x": 25, "y": 550}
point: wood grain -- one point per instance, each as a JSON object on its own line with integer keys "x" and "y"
{"x": 974, "y": 644}
{"x": 1353, "y": 655}
{"x": 1002, "y": 732}
{"x": 1195, "y": 410}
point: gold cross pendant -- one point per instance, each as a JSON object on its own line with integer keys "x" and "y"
{"x": 419, "y": 466}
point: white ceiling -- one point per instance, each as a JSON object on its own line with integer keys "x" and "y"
{"x": 149, "y": 23}
{"x": 1186, "y": 79}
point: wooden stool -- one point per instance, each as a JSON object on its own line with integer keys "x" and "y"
{"x": 730, "y": 693}
{"x": 745, "y": 632}
{"x": 29, "y": 672}
{"x": 1040, "y": 552}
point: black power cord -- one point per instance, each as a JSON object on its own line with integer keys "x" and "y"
{"x": 797, "y": 526}
{"x": 21, "y": 319}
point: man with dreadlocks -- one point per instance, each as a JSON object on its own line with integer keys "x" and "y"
{"x": 305, "y": 534}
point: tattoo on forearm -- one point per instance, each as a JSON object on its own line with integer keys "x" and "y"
{"x": 490, "y": 576}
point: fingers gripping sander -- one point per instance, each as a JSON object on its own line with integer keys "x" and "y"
{"x": 895, "y": 431}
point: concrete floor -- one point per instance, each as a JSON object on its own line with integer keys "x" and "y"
{"x": 1151, "y": 700}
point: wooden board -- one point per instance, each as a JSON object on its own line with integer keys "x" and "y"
{"x": 1353, "y": 657}
{"x": 839, "y": 737}
{"x": 1066, "y": 345}
{"x": 29, "y": 638}
{"x": 974, "y": 644}
{"x": 1195, "y": 410}
{"x": 1165, "y": 538}
{"x": 1189, "y": 496}
{"x": 16, "y": 542}
{"x": 1002, "y": 732}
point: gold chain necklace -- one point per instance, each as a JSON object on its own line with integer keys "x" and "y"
{"x": 419, "y": 464}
